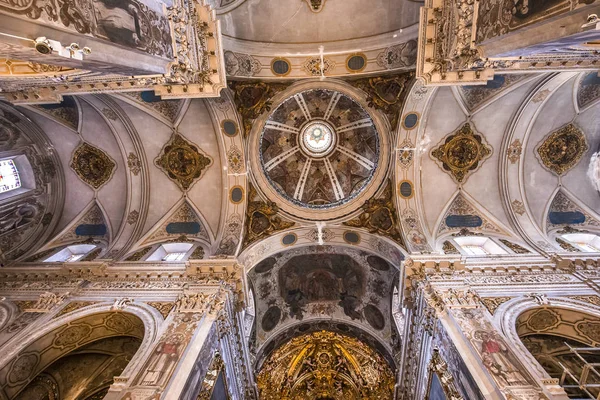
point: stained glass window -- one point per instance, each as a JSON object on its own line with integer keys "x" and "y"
{"x": 9, "y": 176}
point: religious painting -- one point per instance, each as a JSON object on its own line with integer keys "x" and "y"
{"x": 496, "y": 355}
{"x": 132, "y": 24}
{"x": 322, "y": 278}
{"x": 464, "y": 381}
{"x": 168, "y": 351}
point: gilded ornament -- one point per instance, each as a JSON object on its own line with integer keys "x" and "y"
{"x": 515, "y": 247}
{"x": 92, "y": 165}
{"x": 543, "y": 320}
{"x": 134, "y": 163}
{"x": 254, "y": 98}
{"x": 379, "y": 217}
{"x": 492, "y": 303}
{"x": 589, "y": 329}
{"x": 197, "y": 254}
{"x": 325, "y": 365}
{"x": 316, "y": 66}
{"x": 92, "y": 255}
{"x": 315, "y": 5}
{"x": 462, "y": 152}
{"x": 449, "y": 248}
{"x": 137, "y": 256}
{"x": 563, "y": 149}
{"x": 567, "y": 246}
{"x": 262, "y": 219}
{"x": 514, "y": 151}
{"x": 216, "y": 367}
{"x": 438, "y": 366}
{"x": 164, "y": 308}
{"x": 518, "y": 207}
{"x": 386, "y": 93}
{"x": 182, "y": 161}
{"x": 593, "y": 299}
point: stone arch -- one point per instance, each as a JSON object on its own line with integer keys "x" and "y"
{"x": 34, "y": 352}
{"x": 516, "y": 311}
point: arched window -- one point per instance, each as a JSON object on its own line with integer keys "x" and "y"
{"x": 171, "y": 252}
{"x": 9, "y": 176}
{"x": 16, "y": 176}
{"x": 584, "y": 241}
{"x": 71, "y": 253}
{"x": 479, "y": 246}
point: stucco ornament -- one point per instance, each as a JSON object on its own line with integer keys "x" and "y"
{"x": 462, "y": 152}
{"x": 562, "y": 149}
{"x": 182, "y": 161}
{"x": 92, "y": 165}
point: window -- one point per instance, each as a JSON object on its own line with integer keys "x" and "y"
{"x": 478, "y": 246}
{"x": 173, "y": 257}
{"x": 9, "y": 176}
{"x": 171, "y": 252}
{"x": 71, "y": 253}
{"x": 585, "y": 241}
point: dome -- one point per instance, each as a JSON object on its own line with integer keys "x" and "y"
{"x": 319, "y": 149}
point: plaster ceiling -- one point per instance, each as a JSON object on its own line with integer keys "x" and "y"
{"x": 284, "y": 22}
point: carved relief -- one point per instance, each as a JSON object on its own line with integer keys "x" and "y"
{"x": 461, "y": 153}
{"x": 134, "y": 164}
{"x": 543, "y": 320}
{"x": 379, "y": 216}
{"x": 563, "y": 149}
{"x": 448, "y": 248}
{"x": 316, "y": 66}
{"x": 589, "y": 329}
{"x": 237, "y": 64}
{"x": 492, "y": 303}
{"x": 164, "y": 308}
{"x": 92, "y": 165}
{"x": 262, "y": 219}
{"x": 386, "y": 94}
{"x": 315, "y": 5}
{"x": 515, "y": 247}
{"x": 235, "y": 160}
{"x": 183, "y": 162}
{"x": 253, "y": 98}
{"x": 399, "y": 56}
{"x": 514, "y": 151}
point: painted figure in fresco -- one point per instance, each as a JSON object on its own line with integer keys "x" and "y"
{"x": 495, "y": 357}
{"x": 164, "y": 360}
{"x": 119, "y": 21}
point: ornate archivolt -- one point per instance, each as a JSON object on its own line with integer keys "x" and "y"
{"x": 546, "y": 317}
{"x": 228, "y": 123}
{"x": 515, "y": 146}
{"x": 325, "y": 365}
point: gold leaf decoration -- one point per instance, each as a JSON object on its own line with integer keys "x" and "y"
{"x": 183, "y": 162}
{"x": 462, "y": 152}
{"x": 262, "y": 219}
{"x": 379, "y": 217}
{"x": 563, "y": 149}
{"x": 492, "y": 303}
{"x": 92, "y": 165}
{"x": 324, "y": 365}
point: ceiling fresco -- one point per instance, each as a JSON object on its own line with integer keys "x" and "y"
{"x": 323, "y": 282}
{"x": 319, "y": 148}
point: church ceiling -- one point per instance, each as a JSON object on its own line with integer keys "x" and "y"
{"x": 312, "y": 283}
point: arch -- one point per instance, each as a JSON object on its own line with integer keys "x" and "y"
{"x": 73, "y": 330}
{"x": 507, "y": 315}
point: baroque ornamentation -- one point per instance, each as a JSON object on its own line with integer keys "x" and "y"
{"x": 543, "y": 320}
{"x": 462, "y": 152}
{"x": 449, "y": 248}
{"x": 399, "y": 56}
{"x": 514, "y": 151}
{"x": 237, "y": 64}
{"x": 92, "y": 165}
{"x": 567, "y": 246}
{"x": 318, "y": 66}
{"x": 183, "y": 162}
{"x": 164, "y": 308}
{"x": 379, "y": 216}
{"x": 73, "y": 306}
{"x": 386, "y": 93}
{"x": 47, "y": 302}
{"x": 492, "y": 303}
{"x": 515, "y": 247}
{"x": 134, "y": 163}
{"x": 138, "y": 255}
{"x": 133, "y": 217}
{"x": 262, "y": 219}
{"x": 563, "y": 149}
{"x": 325, "y": 365}
{"x": 315, "y": 5}
{"x": 518, "y": 207}
{"x": 235, "y": 160}
{"x": 593, "y": 299}
{"x": 438, "y": 366}
{"x": 589, "y": 329}
{"x": 254, "y": 98}
{"x": 461, "y": 206}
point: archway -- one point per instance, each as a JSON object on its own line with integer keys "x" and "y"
{"x": 77, "y": 360}
{"x": 566, "y": 344}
